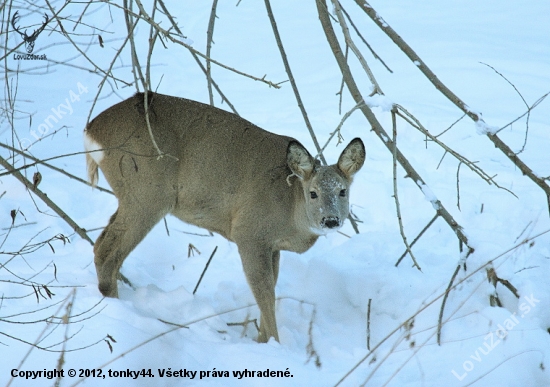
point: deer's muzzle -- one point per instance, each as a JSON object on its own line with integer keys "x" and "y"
{"x": 331, "y": 222}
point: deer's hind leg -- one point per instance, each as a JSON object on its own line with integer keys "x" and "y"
{"x": 145, "y": 193}
{"x": 127, "y": 227}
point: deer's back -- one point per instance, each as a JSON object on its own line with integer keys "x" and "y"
{"x": 218, "y": 167}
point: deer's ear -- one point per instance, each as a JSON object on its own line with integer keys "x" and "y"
{"x": 352, "y": 158}
{"x": 299, "y": 160}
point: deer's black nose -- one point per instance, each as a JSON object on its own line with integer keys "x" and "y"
{"x": 331, "y": 222}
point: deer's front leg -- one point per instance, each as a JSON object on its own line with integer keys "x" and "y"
{"x": 258, "y": 265}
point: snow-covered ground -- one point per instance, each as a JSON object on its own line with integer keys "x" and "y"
{"x": 324, "y": 293}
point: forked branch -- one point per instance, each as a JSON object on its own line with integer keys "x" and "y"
{"x": 395, "y": 195}
{"x": 349, "y": 41}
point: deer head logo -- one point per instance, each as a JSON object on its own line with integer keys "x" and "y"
{"x": 28, "y": 39}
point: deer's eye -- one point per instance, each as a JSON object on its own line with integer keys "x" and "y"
{"x": 313, "y": 195}
{"x": 343, "y": 193}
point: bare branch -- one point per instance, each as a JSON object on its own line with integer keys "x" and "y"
{"x": 338, "y": 128}
{"x": 144, "y": 16}
{"x": 368, "y": 324}
{"x": 524, "y": 102}
{"x": 441, "y": 310}
{"x": 30, "y": 186}
{"x": 417, "y": 238}
{"x": 292, "y": 81}
{"x": 376, "y": 56}
{"x": 205, "y": 268}
{"x": 365, "y": 6}
{"x": 209, "y": 36}
{"x": 130, "y": 26}
{"x": 75, "y": 45}
{"x": 345, "y": 30}
{"x": 407, "y": 50}
{"x": 534, "y": 105}
{"x": 195, "y": 56}
{"x": 415, "y": 123}
{"x": 28, "y": 156}
{"x": 395, "y": 196}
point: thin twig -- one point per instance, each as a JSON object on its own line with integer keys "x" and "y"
{"x": 130, "y": 26}
{"x": 28, "y": 156}
{"x": 345, "y": 30}
{"x": 146, "y": 81}
{"x": 447, "y": 291}
{"x": 30, "y": 186}
{"x": 209, "y": 37}
{"x": 340, "y": 93}
{"x": 534, "y": 105}
{"x": 417, "y": 238}
{"x": 415, "y": 123}
{"x": 292, "y": 80}
{"x": 376, "y": 56}
{"x": 395, "y": 196}
{"x": 458, "y": 185}
{"x": 244, "y": 324}
{"x": 339, "y": 127}
{"x": 311, "y": 351}
{"x": 205, "y": 268}
{"x": 506, "y": 359}
{"x": 153, "y": 34}
{"x": 524, "y": 102}
{"x": 368, "y": 324}
{"x": 451, "y": 126}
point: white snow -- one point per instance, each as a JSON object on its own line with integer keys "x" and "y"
{"x": 325, "y": 293}
{"x": 483, "y": 128}
{"x": 379, "y": 101}
{"x": 428, "y": 194}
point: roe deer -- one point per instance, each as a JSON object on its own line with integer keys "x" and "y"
{"x": 263, "y": 191}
